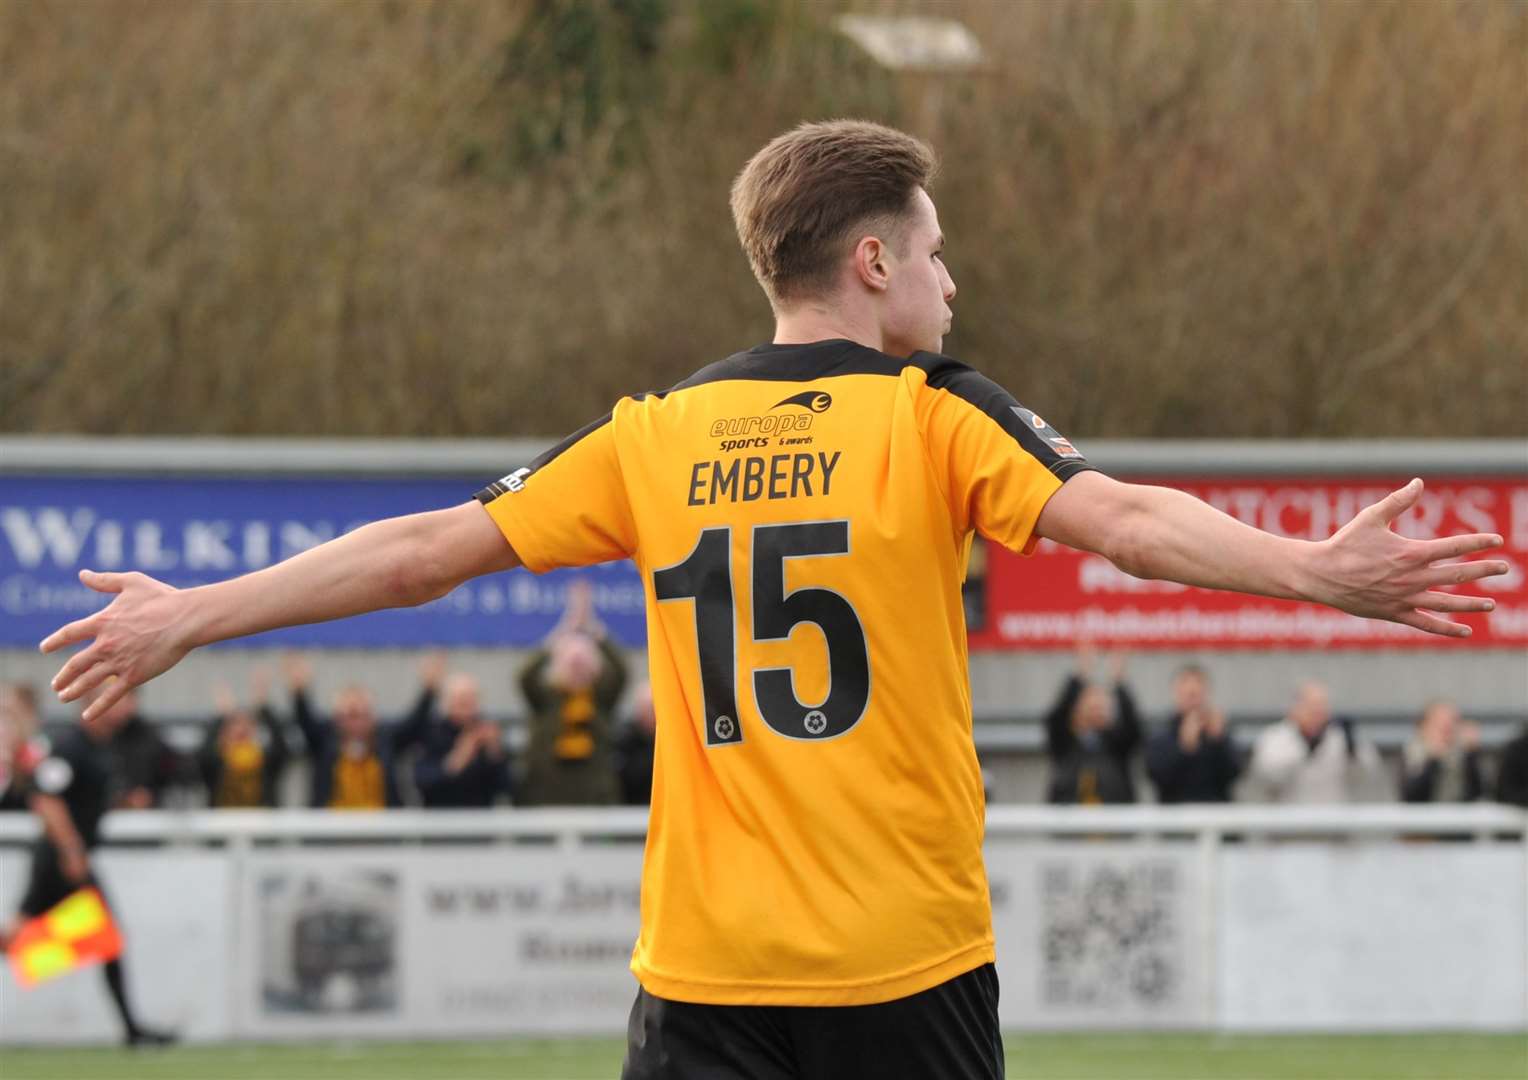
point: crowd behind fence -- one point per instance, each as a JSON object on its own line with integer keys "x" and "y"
{"x": 587, "y": 739}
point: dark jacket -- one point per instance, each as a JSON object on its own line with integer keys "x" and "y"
{"x": 570, "y": 758}
{"x": 480, "y": 783}
{"x": 140, "y": 758}
{"x": 274, "y": 755}
{"x": 1096, "y": 770}
{"x": 1204, "y": 776}
{"x": 1512, "y": 774}
{"x": 77, "y": 770}
{"x": 1420, "y": 779}
{"x": 634, "y": 763}
{"x": 389, "y": 739}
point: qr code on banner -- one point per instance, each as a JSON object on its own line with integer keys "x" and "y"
{"x": 1112, "y": 933}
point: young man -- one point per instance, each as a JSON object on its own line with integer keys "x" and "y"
{"x": 814, "y": 900}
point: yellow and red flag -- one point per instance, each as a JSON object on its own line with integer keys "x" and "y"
{"x": 75, "y": 932}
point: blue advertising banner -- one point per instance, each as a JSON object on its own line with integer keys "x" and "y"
{"x": 193, "y": 530}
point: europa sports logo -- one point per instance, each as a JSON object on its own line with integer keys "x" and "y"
{"x": 809, "y": 402}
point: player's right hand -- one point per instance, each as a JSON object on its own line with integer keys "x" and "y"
{"x": 140, "y": 634}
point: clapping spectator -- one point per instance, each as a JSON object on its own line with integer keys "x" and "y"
{"x": 1441, "y": 763}
{"x": 1092, "y": 732}
{"x": 244, "y": 752}
{"x": 462, "y": 760}
{"x": 1192, "y": 759}
{"x": 1512, "y": 774}
{"x": 352, "y": 755}
{"x": 572, "y": 685}
{"x": 634, "y": 749}
{"x": 21, "y": 745}
{"x": 1309, "y": 757}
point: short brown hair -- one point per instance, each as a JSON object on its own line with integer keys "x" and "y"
{"x": 798, "y": 199}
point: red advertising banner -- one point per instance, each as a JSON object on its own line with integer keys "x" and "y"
{"x": 1058, "y": 596}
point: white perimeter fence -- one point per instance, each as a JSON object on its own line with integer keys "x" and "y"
{"x": 312, "y": 924}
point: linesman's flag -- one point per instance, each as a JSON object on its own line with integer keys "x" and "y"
{"x": 75, "y": 932}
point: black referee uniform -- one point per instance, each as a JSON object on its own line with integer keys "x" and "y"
{"x": 76, "y": 771}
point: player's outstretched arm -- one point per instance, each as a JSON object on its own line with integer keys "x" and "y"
{"x": 150, "y": 626}
{"x": 1365, "y": 569}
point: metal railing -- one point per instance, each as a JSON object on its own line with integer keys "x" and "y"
{"x": 574, "y": 826}
{"x": 489, "y": 457}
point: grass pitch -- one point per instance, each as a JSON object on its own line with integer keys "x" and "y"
{"x": 1030, "y": 1057}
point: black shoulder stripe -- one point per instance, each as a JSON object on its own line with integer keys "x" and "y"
{"x": 1038, "y": 439}
{"x": 796, "y": 363}
{"x": 516, "y": 480}
{"x": 784, "y": 363}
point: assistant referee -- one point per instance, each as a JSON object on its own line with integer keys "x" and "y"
{"x": 69, "y": 794}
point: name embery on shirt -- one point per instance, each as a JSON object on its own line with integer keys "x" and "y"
{"x": 801, "y": 516}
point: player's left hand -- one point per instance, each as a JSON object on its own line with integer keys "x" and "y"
{"x": 139, "y": 635}
{"x": 1367, "y": 569}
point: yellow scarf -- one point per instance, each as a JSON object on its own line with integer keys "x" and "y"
{"x": 574, "y": 741}
{"x": 242, "y": 779}
{"x": 358, "y": 783}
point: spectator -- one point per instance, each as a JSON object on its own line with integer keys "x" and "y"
{"x": 1512, "y": 775}
{"x": 634, "y": 749}
{"x": 462, "y": 760}
{"x": 1091, "y": 738}
{"x": 1441, "y": 763}
{"x": 572, "y": 685}
{"x": 352, "y": 755}
{"x": 143, "y": 766}
{"x": 1191, "y": 760}
{"x": 21, "y": 745}
{"x": 1310, "y": 758}
{"x": 244, "y": 753}
{"x": 70, "y": 794}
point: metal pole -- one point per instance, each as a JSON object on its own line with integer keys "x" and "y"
{"x": 1209, "y": 923}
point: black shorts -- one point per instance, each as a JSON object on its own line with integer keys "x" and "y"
{"x": 948, "y": 1032}
{"x": 47, "y": 885}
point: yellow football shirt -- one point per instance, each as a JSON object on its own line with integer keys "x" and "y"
{"x": 801, "y": 517}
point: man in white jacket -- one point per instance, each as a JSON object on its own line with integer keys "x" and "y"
{"x": 1309, "y": 758}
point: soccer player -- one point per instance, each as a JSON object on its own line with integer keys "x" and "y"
{"x": 814, "y": 899}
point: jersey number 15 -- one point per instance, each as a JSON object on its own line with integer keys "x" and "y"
{"x": 706, "y": 578}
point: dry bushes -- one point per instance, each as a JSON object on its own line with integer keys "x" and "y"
{"x": 492, "y": 218}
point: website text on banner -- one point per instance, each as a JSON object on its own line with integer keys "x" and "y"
{"x": 188, "y": 531}
{"x": 1058, "y": 595}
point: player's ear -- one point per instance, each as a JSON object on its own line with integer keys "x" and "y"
{"x": 870, "y": 263}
